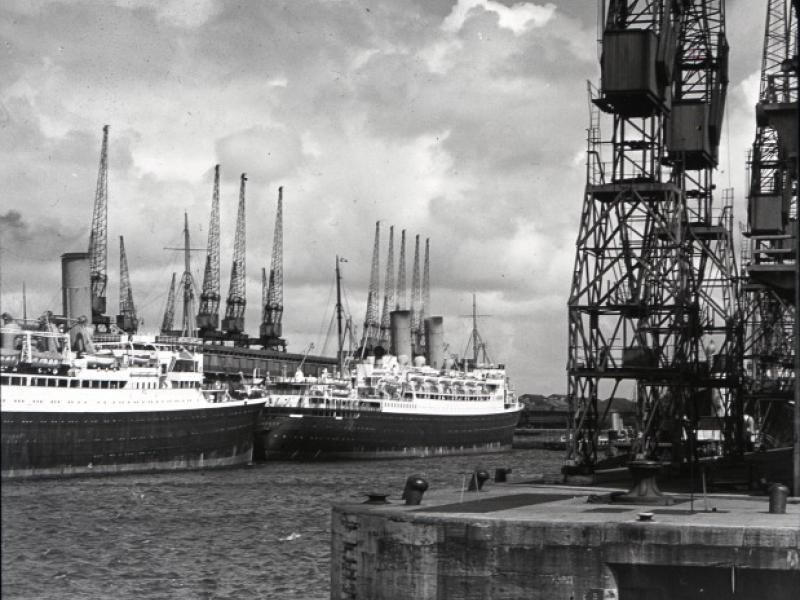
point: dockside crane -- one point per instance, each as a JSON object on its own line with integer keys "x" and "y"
{"x": 98, "y": 242}
{"x": 712, "y": 345}
{"x": 771, "y": 260}
{"x": 208, "y": 315}
{"x": 168, "y": 322}
{"x": 264, "y": 289}
{"x": 400, "y": 299}
{"x": 388, "y": 294}
{"x": 233, "y": 323}
{"x": 425, "y": 305}
{"x": 272, "y": 313}
{"x": 372, "y": 324}
{"x": 654, "y": 278}
{"x": 126, "y": 319}
{"x": 416, "y": 300}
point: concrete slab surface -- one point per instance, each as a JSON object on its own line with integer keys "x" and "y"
{"x": 547, "y": 541}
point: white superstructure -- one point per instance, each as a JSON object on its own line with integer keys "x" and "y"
{"x": 41, "y": 372}
{"x": 390, "y": 387}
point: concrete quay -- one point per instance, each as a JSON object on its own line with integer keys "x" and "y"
{"x": 515, "y": 541}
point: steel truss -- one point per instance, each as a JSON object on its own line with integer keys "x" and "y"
{"x": 655, "y": 274}
{"x": 769, "y": 317}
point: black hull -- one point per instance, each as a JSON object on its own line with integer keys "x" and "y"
{"x": 54, "y": 444}
{"x": 380, "y": 435}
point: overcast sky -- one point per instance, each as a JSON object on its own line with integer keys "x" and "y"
{"x": 458, "y": 120}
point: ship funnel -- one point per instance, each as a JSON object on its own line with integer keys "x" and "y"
{"x": 401, "y": 332}
{"x": 434, "y": 341}
{"x": 75, "y": 285}
{"x": 8, "y": 340}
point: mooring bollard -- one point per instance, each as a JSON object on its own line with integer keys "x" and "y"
{"x": 500, "y": 475}
{"x": 645, "y": 489}
{"x": 479, "y": 477}
{"x": 415, "y": 487}
{"x": 778, "y": 495}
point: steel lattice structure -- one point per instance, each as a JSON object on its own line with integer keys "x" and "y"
{"x": 425, "y": 305}
{"x": 208, "y": 315}
{"x": 770, "y": 343}
{"x": 233, "y": 323}
{"x": 98, "y": 238}
{"x": 167, "y": 323}
{"x": 654, "y": 276}
{"x": 127, "y": 319}
{"x": 416, "y": 300}
{"x": 400, "y": 298}
{"x": 372, "y": 323}
{"x": 272, "y": 311}
{"x": 388, "y": 294}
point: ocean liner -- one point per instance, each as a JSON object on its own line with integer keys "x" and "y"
{"x": 390, "y": 409}
{"x": 72, "y": 406}
{"x": 388, "y": 405}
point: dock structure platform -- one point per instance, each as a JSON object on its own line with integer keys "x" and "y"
{"x": 515, "y": 541}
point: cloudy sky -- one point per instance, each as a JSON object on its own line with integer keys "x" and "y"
{"x": 458, "y": 120}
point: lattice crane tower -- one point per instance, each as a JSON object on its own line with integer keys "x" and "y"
{"x": 425, "y": 305}
{"x": 233, "y": 323}
{"x": 98, "y": 239}
{"x": 770, "y": 343}
{"x": 400, "y": 303}
{"x": 388, "y": 294}
{"x": 264, "y": 291}
{"x": 167, "y": 324}
{"x": 654, "y": 274}
{"x": 372, "y": 324}
{"x": 416, "y": 300}
{"x": 127, "y": 319}
{"x": 208, "y": 315}
{"x": 272, "y": 314}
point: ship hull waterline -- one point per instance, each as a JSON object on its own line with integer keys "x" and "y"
{"x": 308, "y": 434}
{"x": 58, "y": 444}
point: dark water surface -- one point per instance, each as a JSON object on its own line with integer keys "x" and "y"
{"x": 254, "y": 532}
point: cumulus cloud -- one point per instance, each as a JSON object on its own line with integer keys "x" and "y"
{"x": 458, "y": 121}
{"x": 517, "y": 17}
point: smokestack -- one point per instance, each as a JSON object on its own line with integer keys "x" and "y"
{"x": 76, "y": 297}
{"x": 434, "y": 341}
{"x": 401, "y": 333}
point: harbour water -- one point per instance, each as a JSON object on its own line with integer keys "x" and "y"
{"x": 257, "y": 532}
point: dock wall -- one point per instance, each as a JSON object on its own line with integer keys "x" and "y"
{"x": 404, "y": 552}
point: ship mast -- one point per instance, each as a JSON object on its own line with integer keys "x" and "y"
{"x": 340, "y": 339}
{"x": 474, "y": 331}
{"x": 475, "y": 340}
